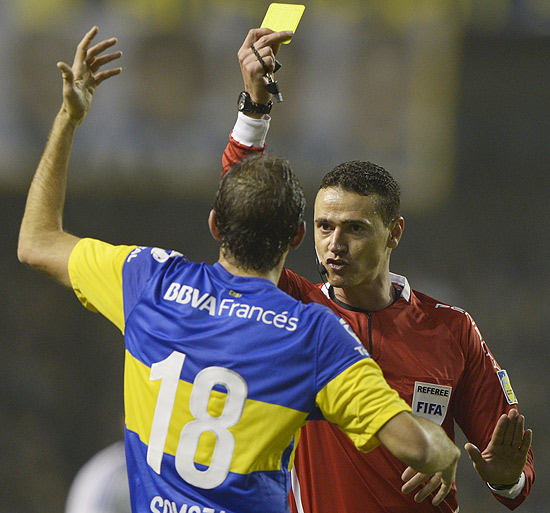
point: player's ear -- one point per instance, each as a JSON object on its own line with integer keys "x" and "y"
{"x": 396, "y": 231}
{"x": 299, "y": 237}
{"x": 212, "y": 225}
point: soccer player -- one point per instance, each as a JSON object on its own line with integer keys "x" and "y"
{"x": 432, "y": 353}
{"x": 222, "y": 368}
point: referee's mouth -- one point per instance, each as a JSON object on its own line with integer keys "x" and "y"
{"x": 336, "y": 264}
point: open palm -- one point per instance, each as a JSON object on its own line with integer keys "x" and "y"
{"x": 502, "y": 461}
{"x": 81, "y": 80}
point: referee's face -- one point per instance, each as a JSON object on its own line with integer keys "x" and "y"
{"x": 352, "y": 241}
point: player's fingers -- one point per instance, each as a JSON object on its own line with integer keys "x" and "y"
{"x": 408, "y": 473}
{"x": 104, "y": 59}
{"x": 428, "y": 488}
{"x": 414, "y": 482}
{"x": 82, "y": 48}
{"x": 104, "y": 75}
{"x": 66, "y": 71}
{"x": 95, "y": 50}
{"x": 441, "y": 494}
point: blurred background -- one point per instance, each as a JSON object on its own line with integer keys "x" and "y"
{"x": 453, "y": 98}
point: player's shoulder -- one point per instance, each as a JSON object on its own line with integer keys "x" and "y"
{"x": 144, "y": 254}
{"x": 144, "y": 263}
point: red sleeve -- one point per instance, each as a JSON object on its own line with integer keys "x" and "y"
{"x": 235, "y": 152}
{"x": 481, "y": 401}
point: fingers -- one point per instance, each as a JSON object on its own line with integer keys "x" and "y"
{"x": 509, "y": 430}
{"x": 82, "y": 47}
{"x": 90, "y": 59}
{"x": 517, "y": 430}
{"x": 413, "y": 480}
{"x": 104, "y": 59}
{"x": 499, "y": 432}
{"x": 104, "y": 75}
{"x": 473, "y": 452}
{"x": 430, "y": 484}
{"x": 267, "y": 44}
{"x": 527, "y": 440}
{"x": 442, "y": 493}
{"x": 100, "y": 48}
{"x": 428, "y": 488}
{"x": 408, "y": 473}
{"x": 264, "y": 36}
{"x": 512, "y": 422}
{"x": 66, "y": 71}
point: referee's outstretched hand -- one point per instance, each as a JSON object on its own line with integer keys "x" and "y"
{"x": 503, "y": 460}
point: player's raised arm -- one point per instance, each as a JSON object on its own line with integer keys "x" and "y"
{"x": 42, "y": 242}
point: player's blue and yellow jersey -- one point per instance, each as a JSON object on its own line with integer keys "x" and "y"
{"x": 220, "y": 373}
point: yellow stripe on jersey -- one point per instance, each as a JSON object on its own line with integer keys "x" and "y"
{"x": 261, "y": 436}
{"x": 99, "y": 291}
{"x": 359, "y": 410}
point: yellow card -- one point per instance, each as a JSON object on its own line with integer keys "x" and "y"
{"x": 281, "y": 17}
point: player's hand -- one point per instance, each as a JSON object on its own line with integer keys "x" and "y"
{"x": 430, "y": 483}
{"x": 504, "y": 458}
{"x": 267, "y": 43}
{"x": 81, "y": 80}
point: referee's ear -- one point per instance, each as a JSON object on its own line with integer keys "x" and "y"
{"x": 396, "y": 232}
{"x": 212, "y": 225}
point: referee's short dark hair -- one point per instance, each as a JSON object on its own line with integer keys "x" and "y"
{"x": 366, "y": 178}
{"x": 259, "y": 207}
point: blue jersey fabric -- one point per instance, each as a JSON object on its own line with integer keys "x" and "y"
{"x": 221, "y": 372}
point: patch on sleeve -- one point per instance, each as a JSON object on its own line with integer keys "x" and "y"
{"x": 431, "y": 401}
{"x": 507, "y": 387}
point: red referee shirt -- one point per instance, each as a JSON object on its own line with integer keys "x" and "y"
{"x": 433, "y": 354}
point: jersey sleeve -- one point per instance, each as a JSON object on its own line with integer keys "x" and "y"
{"x": 356, "y": 398}
{"x": 95, "y": 270}
{"x": 483, "y": 395}
{"x": 246, "y": 139}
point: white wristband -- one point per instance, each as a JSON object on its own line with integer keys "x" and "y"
{"x": 513, "y": 492}
{"x": 251, "y": 131}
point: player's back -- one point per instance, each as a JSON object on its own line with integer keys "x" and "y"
{"x": 220, "y": 373}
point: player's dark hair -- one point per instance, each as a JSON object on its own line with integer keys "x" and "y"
{"x": 367, "y": 178}
{"x": 259, "y": 207}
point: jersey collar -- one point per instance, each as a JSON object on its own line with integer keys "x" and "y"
{"x": 402, "y": 286}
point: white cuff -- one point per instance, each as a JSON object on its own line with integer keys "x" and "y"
{"x": 513, "y": 492}
{"x": 251, "y": 131}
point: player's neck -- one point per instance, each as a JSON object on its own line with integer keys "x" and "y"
{"x": 232, "y": 267}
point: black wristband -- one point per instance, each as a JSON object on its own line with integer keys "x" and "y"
{"x": 245, "y": 104}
